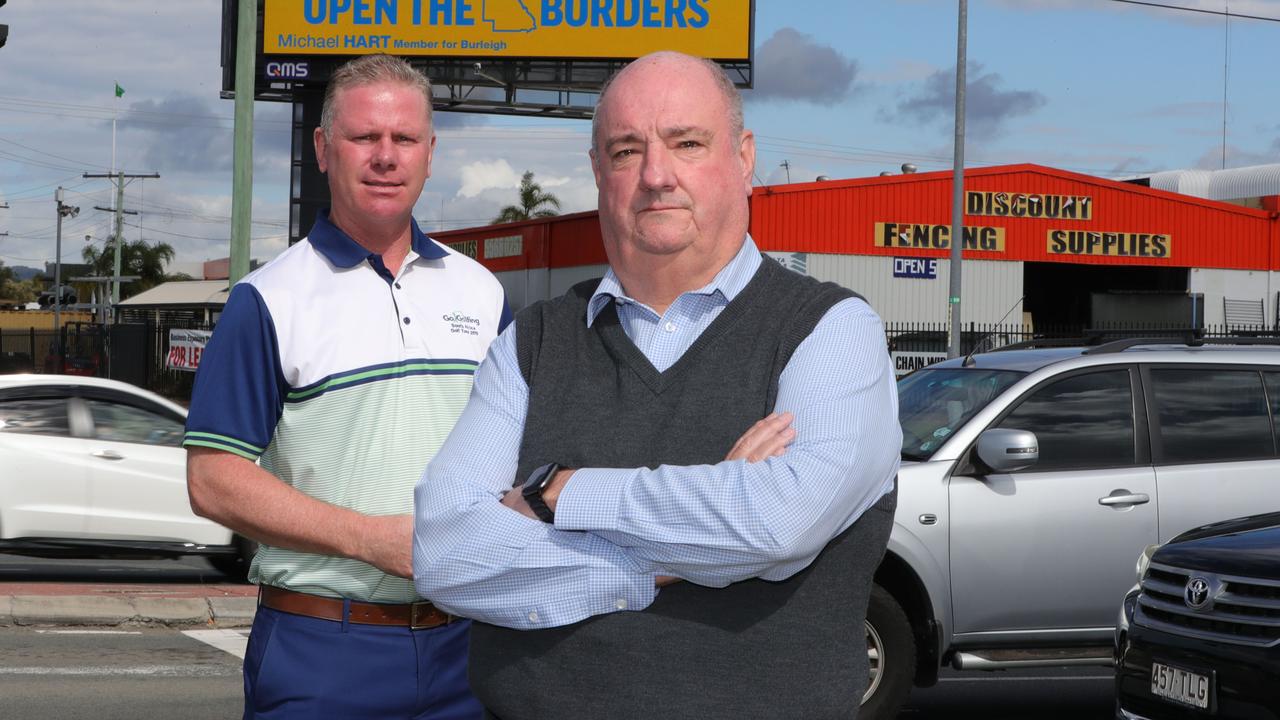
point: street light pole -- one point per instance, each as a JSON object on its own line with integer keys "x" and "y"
{"x": 957, "y": 184}
{"x": 63, "y": 211}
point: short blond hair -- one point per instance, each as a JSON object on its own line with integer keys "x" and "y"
{"x": 368, "y": 70}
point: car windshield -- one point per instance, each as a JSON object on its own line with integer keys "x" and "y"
{"x": 932, "y": 404}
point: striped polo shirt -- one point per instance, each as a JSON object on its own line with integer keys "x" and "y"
{"x": 343, "y": 380}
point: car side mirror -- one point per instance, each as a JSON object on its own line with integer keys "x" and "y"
{"x": 1004, "y": 450}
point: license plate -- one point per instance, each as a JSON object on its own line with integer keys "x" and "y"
{"x": 1181, "y": 686}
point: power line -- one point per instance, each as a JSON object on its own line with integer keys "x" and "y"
{"x": 45, "y": 152}
{"x": 1226, "y": 13}
{"x": 48, "y": 185}
{"x": 197, "y": 237}
{"x": 5, "y": 154}
{"x": 98, "y": 111}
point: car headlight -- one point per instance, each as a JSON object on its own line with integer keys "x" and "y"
{"x": 1144, "y": 560}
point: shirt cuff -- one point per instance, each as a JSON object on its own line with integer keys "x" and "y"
{"x": 591, "y": 499}
{"x": 222, "y": 442}
{"x": 620, "y": 587}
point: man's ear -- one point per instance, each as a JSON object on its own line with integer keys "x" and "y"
{"x": 747, "y": 154}
{"x": 595, "y": 165}
{"x": 321, "y": 143}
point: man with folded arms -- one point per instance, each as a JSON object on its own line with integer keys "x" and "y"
{"x": 665, "y": 552}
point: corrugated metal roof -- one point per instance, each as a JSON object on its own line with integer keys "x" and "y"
{"x": 1230, "y": 184}
{"x": 1245, "y": 182}
{"x": 1187, "y": 182}
{"x": 182, "y": 292}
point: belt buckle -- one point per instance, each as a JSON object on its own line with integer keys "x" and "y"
{"x": 422, "y": 613}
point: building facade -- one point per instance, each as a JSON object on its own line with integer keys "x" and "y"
{"x": 1042, "y": 247}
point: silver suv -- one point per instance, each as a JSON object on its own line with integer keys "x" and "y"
{"x": 1030, "y": 481}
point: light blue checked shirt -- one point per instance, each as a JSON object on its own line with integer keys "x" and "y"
{"x": 616, "y": 529}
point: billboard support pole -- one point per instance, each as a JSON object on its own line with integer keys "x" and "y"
{"x": 242, "y": 171}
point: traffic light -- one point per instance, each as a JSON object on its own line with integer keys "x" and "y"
{"x": 4, "y": 29}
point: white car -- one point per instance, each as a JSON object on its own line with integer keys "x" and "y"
{"x": 92, "y": 467}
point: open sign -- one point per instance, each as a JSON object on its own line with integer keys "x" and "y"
{"x": 907, "y": 267}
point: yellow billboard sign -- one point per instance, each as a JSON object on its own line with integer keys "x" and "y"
{"x": 717, "y": 29}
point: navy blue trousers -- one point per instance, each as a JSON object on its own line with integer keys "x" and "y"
{"x": 301, "y": 667}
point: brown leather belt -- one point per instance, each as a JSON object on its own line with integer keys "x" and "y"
{"x": 416, "y": 616}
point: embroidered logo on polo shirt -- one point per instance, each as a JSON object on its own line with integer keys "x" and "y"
{"x": 460, "y": 324}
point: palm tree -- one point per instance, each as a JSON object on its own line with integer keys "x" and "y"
{"x": 136, "y": 258}
{"x": 534, "y": 203}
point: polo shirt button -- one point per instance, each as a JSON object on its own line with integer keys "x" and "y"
{"x": 406, "y": 321}
{"x": 397, "y": 286}
{"x": 670, "y": 327}
{"x": 533, "y": 616}
{"x": 621, "y": 604}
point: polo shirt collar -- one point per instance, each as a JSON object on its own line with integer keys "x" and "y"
{"x": 730, "y": 281}
{"x": 338, "y": 247}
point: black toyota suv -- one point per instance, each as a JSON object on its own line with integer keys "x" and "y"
{"x": 1200, "y": 636}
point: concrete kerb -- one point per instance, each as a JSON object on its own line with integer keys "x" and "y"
{"x": 232, "y": 611}
{"x": 95, "y": 610}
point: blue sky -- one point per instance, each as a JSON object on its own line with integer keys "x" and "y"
{"x": 844, "y": 88}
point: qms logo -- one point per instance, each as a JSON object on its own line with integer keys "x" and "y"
{"x": 288, "y": 70}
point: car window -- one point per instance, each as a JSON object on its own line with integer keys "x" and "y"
{"x": 1081, "y": 421}
{"x": 933, "y": 404}
{"x": 35, "y": 416}
{"x": 124, "y": 423}
{"x": 1211, "y": 414}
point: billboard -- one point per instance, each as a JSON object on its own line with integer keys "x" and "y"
{"x": 717, "y": 29}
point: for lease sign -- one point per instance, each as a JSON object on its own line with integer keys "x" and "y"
{"x": 185, "y": 348}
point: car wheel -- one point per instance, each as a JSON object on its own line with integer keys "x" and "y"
{"x": 236, "y": 566}
{"x": 891, "y": 652}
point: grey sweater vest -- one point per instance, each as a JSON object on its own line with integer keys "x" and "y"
{"x": 754, "y": 649}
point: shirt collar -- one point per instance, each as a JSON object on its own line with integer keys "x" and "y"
{"x": 730, "y": 281}
{"x": 342, "y": 251}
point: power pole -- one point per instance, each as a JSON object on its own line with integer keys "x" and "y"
{"x": 64, "y": 210}
{"x": 787, "y": 166}
{"x": 119, "y": 179}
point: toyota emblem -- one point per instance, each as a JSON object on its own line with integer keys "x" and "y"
{"x": 1196, "y": 593}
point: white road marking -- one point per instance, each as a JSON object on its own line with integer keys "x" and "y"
{"x": 91, "y": 632}
{"x": 107, "y": 670}
{"x": 231, "y": 641}
{"x": 1025, "y": 679}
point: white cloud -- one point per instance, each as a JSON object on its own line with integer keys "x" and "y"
{"x": 485, "y": 175}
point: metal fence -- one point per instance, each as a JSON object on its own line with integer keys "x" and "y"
{"x": 980, "y": 337}
{"x": 136, "y": 352}
{"x": 132, "y": 353}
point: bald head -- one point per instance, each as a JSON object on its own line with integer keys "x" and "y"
{"x": 679, "y": 67}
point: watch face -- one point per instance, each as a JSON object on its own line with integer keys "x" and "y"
{"x": 532, "y": 491}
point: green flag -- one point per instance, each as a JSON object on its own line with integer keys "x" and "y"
{"x": 119, "y": 90}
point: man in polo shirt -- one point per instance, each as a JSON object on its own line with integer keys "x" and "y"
{"x": 646, "y": 565}
{"x": 335, "y": 373}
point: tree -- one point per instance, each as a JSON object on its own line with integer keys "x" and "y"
{"x": 15, "y": 288}
{"x": 136, "y": 258}
{"x": 534, "y": 203}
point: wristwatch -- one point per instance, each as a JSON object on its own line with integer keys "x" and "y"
{"x": 532, "y": 491}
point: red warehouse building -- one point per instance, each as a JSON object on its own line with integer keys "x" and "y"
{"x": 1072, "y": 249}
